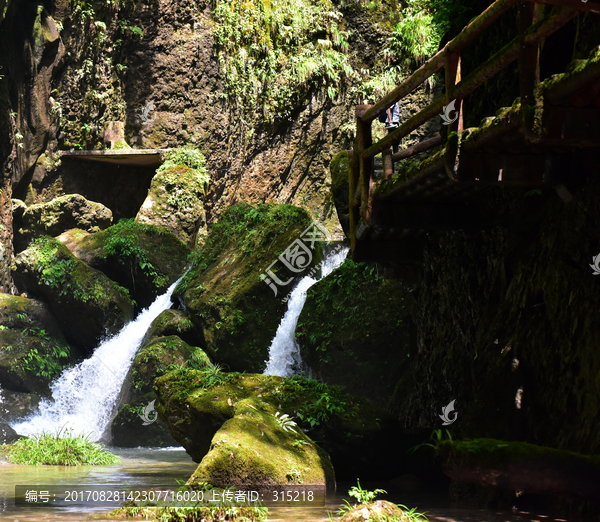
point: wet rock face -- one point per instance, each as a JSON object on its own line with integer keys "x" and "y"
{"x": 50, "y": 272}
{"x": 175, "y": 202}
{"x": 65, "y": 213}
{"x": 254, "y": 448}
{"x": 7, "y": 434}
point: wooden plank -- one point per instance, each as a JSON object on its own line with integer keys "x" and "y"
{"x": 418, "y": 147}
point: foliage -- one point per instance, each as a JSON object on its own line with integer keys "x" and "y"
{"x": 45, "y": 362}
{"x": 320, "y": 401}
{"x": 285, "y": 422}
{"x": 192, "y": 158}
{"x": 350, "y": 283}
{"x": 366, "y": 498}
{"x": 62, "y": 448}
{"x": 123, "y": 241}
{"x": 272, "y": 50}
{"x": 362, "y": 495}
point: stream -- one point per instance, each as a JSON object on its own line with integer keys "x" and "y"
{"x": 152, "y": 467}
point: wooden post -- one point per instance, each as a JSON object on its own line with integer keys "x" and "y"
{"x": 529, "y": 68}
{"x": 453, "y": 77}
{"x": 363, "y": 141}
{"x": 388, "y": 163}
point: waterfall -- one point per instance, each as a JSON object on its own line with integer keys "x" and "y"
{"x": 284, "y": 353}
{"x": 84, "y": 396}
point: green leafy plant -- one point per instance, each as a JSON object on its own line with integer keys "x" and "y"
{"x": 285, "y": 422}
{"x": 364, "y": 496}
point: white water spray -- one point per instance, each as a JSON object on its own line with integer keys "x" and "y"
{"x": 284, "y": 353}
{"x": 83, "y": 397}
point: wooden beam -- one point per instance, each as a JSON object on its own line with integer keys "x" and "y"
{"x": 418, "y": 147}
{"x": 579, "y": 5}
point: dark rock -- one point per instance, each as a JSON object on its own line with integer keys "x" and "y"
{"x": 16, "y": 405}
{"x": 174, "y": 322}
{"x": 340, "y": 187}
{"x": 7, "y": 434}
{"x": 223, "y": 294}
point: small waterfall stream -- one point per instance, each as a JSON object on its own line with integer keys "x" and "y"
{"x": 284, "y": 354}
{"x": 83, "y": 397}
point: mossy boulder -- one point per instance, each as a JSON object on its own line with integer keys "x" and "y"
{"x": 64, "y": 213}
{"x": 175, "y": 202}
{"x": 33, "y": 350}
{"x": 379, "y": 510}
{"x": 223, "y": 294}
{"x": 254, "y": 449}
{"x": 355, "y": 330}
{"x": 358, "y": 436}
{"x": 174, "y": 322}
{"x": 145, "y": 259}
{"x": 154, "y": 359}
{"x": 87, "y": 304}
{"x": 340, "y": 188}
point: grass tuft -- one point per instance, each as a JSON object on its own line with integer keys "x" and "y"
{"x": 60, "y": 448}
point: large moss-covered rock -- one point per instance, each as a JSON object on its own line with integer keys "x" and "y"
{"x": 64, "y": 213}
{"x": 358, "y": 436}
{"x": 33, "y": 350}
{"x": 223, "y": 294}
{"x": 255, "y": 449}
{"x": 355, "y": 330}
{"x": 175, "y": 202}
{"x": 154, "y": 359}
{"x": 145, "y": 259}
{"x": 87, "y": 304}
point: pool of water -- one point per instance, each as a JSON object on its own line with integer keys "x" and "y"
{"x": 147, "y": 467}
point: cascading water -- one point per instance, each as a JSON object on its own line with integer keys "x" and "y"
{"x": 284, "y": 353}
{"x": 83, "y": 397}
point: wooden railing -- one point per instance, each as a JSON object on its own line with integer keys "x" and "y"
{"x": 532, "y": 28}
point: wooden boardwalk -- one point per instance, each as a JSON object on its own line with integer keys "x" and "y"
{"x": 529, "y": 144}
